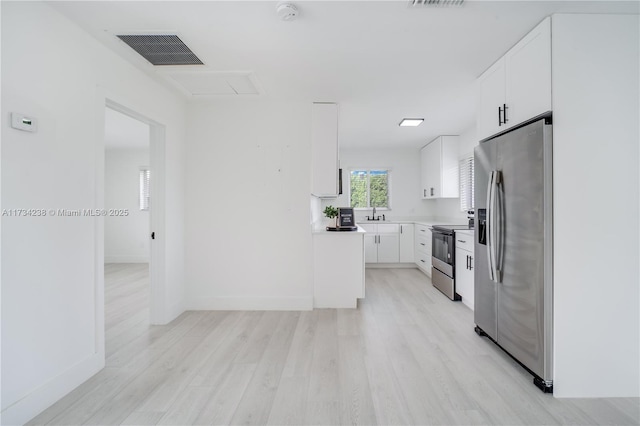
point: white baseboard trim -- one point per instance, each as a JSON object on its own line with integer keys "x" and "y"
{"x": 175, "y": 310}
{"x": 252, "y": 304}
{"x": 26, "y": 408}
{"x": 126, "y": 259}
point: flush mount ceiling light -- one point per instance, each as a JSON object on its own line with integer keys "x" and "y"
{"x": 287, "y": 11}
{"x": 411, "y": 122}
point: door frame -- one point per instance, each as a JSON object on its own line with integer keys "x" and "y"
{"x": 157, "y": 260}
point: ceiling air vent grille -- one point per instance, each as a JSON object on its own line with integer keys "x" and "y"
{"x": 161, "y": 49}
{"x": 437, "y": 3}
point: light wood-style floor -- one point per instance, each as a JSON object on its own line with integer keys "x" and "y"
{"x": 407, "y": 355}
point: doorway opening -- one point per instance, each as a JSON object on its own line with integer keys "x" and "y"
{"x": 132, "y": 255}
{"x": 127, "y": 226}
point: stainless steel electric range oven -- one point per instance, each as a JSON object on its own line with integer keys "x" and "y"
{"x": 443, "y": 251}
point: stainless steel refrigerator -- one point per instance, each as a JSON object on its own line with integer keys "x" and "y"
{"x": 513, "y": 245}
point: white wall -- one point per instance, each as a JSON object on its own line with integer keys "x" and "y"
{"x": 52, "y": 294}
{"x": 596, "y": 187}
{"x": 404, "y": 164}
{"x": 126, "y": 238}
{"x": 467, "y": 141}
{"x": 248, "y": 239}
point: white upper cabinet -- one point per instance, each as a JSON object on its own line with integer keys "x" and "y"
{"x": 324, "y": 150}
{"x": 440, "y": 168}
{"x": 518, "y": 86}
{"x": 528, "y": 82}
{"x": 492, "y": 99}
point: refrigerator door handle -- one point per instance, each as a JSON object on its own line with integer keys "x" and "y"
{"x": 499, "y": 226}
{"x": 490, "y": 224}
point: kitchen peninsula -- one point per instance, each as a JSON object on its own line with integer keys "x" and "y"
{"x": 338, "y": 268}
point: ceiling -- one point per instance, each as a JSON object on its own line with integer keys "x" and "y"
{"x": 124, "y": 132}
{"x": 379, "y": 60}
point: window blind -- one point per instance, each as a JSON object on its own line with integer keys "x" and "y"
{"x": 466, "y": 183}
{"x": 144, "y": 188}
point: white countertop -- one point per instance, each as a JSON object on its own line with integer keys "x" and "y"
{"x": 465, "y": 231}
{"x": 415, "y": 220}
{"x": 360, "y": 231}
{"x": 395, "y": 220}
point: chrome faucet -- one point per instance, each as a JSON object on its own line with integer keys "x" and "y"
{"x": 374, "y": 212}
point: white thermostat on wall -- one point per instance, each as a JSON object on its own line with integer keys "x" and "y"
{"x": 22, "y": 122}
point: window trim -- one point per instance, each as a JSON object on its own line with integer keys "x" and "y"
{"x": 368, "y": 169}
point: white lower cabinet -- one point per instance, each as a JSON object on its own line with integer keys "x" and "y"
{"x": 382, "y": 242}
{"x": 407, "y": 239}
{"x": 388, "y": 248}
{"x": 370, "y": 248}
{"x": 464, "y": 266}
{"x": 423, "y": 248}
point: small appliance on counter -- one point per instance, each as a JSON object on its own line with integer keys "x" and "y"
{"x": 346, "y": 220}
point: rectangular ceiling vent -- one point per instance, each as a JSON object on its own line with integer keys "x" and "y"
{"x": 161, "y": 49}
{"x": 437, "y": 3}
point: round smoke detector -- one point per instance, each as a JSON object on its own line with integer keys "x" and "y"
{"x": 287, "y": 11}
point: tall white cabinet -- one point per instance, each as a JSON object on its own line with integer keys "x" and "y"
{"x": 588, "y": 76}
{"x": 440, "y": 168}
{"x": 325, "y": 163}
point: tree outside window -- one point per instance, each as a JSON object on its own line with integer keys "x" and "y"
{"x": 369, "y": 188}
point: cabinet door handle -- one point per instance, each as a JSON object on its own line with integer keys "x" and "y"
{"x": 432, "y": 192}
{"x": 504, "y": 113}
{"x": 422, "y": 244}
{"x": 499, "y": 116}
{"x": 422, "y": 261}
{"x": 461, "y": 241}
{"x": 401, "y": 229}
{"x": 470, "y": 263}
{"x": 424, "y": 192}
{"x": 467, "y": 261}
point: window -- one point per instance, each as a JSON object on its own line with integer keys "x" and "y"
{"x": 143, "y": 193}
{"x": 369, "y": 188}
{"x": 466, "y": 184}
